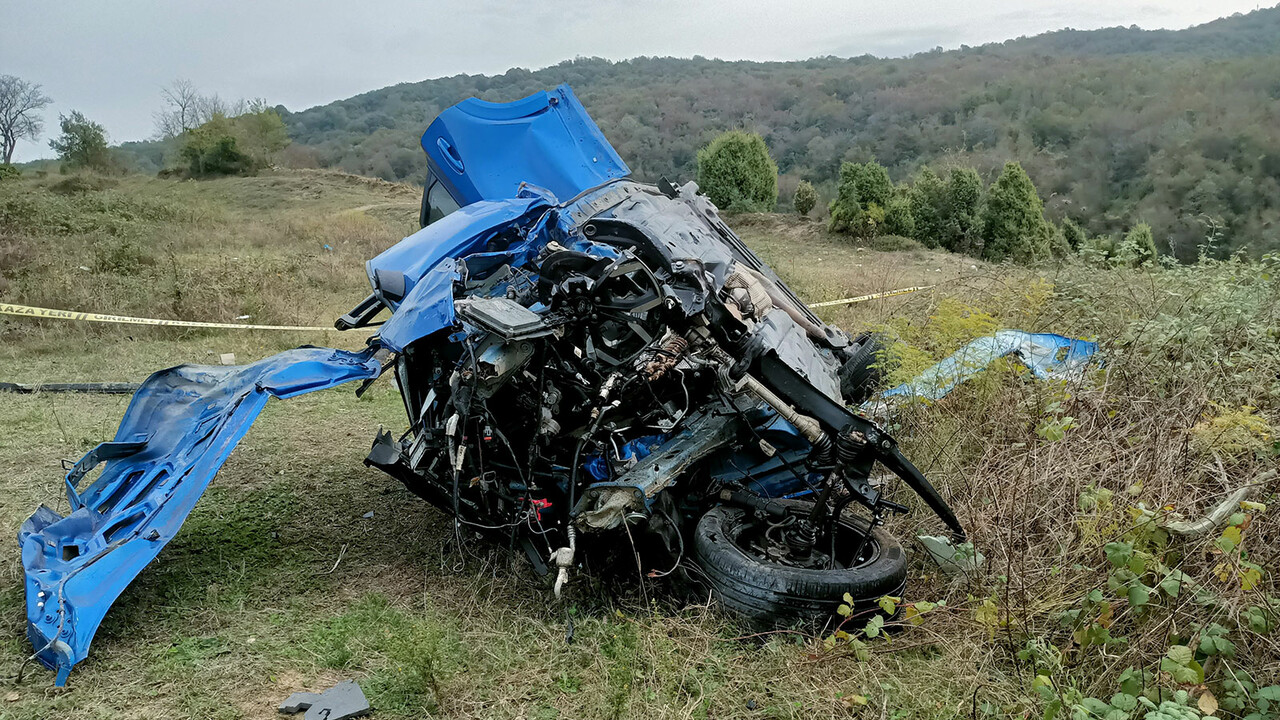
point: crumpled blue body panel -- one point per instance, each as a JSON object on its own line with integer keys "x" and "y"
{"x": 460, "y": 233}
{"x": 179, "y": 429}
{"x": 426, "y": 263}
{"x": 1046, "y": 355}
{"x": 485, "y": 151}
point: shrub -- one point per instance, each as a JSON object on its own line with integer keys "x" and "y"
{"x": 1013, "y": 224}
{"x": 82, "y": 183}
{"x": 82, "y": 144}
{"x": 1059, "y": 246}
{"x": 898, "y": 219}
{"x": 805, "y": 197}
{"x": 211, "y": 149}
{"x": 874, "y": 185}
{"x": 893, "y": 243}
{"x": 235, "y": 146}
{"x": 861, "y": 198}
{"x": 1138, "y": 246}
{"x": 736, "y": 172}
{"x": 1072, "y": 234}
{"x": 928, "y": 201}
{"x": 845, "y": 209}
{"x": 963, "y": 207}
{"x": 9, "y": 172}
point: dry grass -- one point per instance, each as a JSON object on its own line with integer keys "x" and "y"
{"x": 239, "y": 610}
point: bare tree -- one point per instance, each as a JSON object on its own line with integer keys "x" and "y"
{"x": 20, "y": 104}
{"x": 209, "y": 105}
{"x": 181, "y": 113}
{"x": 186, "y": 109}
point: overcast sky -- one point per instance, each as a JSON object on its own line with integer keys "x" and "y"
{"x": 110, "y": 59}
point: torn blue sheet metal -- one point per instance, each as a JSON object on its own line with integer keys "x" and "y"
{"x": 394, "y": 272}
{"x": 486, "y": 151}
{"x": 1046, "y": 355}
{"x": 179, "y": 429}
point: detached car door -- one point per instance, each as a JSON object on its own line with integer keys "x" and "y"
{"x": 478, "y": 150}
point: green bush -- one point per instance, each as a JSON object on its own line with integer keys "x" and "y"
{"x": 1013, "y": 224}
{"x": 82, "y": 144}
{"x": 805, "y": 197}
{"x": 736, "y": 172}
{"x": 9, "y": 172}
{"x": 211, "y": 150}
{"x": 234, "y": 146}
{"x": 861, "y": 198}
{"x": 964, "y": 203}
{"x": 874, "y": 185}
{"x": 1138, "y": 246}
{"x": 898, "y": 219}
{"x": 1072, "y": 234}
{"x": 928, "y": 200}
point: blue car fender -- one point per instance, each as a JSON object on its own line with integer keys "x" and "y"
{"x": 177, "y": 432}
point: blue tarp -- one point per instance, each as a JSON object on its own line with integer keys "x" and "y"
{"x": 1046, "y": 355}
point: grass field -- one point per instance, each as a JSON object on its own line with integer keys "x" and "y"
{"x": 277, "y": 583}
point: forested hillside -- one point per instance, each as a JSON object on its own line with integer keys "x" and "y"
{"x": 1180, "y": 129}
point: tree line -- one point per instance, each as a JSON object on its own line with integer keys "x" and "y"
{"x": 195, "y": 133}
{"x": 1118, "y": 126}
{"x": 952, "y": 209}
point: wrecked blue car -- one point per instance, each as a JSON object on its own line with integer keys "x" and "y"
{"x": 592, "y": 368}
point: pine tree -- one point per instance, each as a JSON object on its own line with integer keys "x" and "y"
{"x": 1013, "y": 224}
{"x": 804, "y": 198}
{"x": 964, "y": 200}
{"x": 928, "y": 201}
{"x": 736, "y": 172}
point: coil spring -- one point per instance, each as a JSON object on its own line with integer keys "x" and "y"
{"x": 675, "y": 346}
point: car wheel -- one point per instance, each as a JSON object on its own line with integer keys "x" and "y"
{"x": 749, "y": 580}
{"x": 861, "y": 373}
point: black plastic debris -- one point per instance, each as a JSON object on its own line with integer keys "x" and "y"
{"x": 344, "y": 700}
{"x": 298, "y": 702}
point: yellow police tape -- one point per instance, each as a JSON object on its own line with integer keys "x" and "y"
{"x": 39, "y": 312}
{"x": 50, "y": 314}
{"x": 873, "y": 296}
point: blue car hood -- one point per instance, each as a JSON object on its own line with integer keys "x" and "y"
{"x": 486, "y": 151}
{"x": 179, "y": 429}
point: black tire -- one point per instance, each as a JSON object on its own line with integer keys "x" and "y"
{"x": 860, "y": 375}
{"x": 771, "y": 595}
